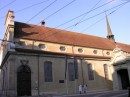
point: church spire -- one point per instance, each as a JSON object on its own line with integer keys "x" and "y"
{"x": 110, "y": 36}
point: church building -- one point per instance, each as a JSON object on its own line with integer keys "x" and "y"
{"x": 38, "y": 60}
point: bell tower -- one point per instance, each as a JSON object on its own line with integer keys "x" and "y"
{"x": 110, "y": 36}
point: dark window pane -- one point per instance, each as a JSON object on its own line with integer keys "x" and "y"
{"x": 90, "y": 72}
{"x": 41, "y": 46}
{"x": 48, "y": 71}
{"x": 95, "y": 51}
{"x": 62, "y": 48}
{"x": 71, "y": 71}
{"x": 80, "y": 50}
{"x": 106, "y": 71}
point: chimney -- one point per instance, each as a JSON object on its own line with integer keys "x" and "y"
{"x": 42, "y": 23}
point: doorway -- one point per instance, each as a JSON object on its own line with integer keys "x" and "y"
{"x": 24, "y": 81}
{"x": 124, "y": 78}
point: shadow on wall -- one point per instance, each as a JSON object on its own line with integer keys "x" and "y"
{"x": 93, "y": 75}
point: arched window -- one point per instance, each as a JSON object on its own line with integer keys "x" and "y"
{"x": 106, "y": 71}
{"x": 48, "y": 71}
{"x": 90, "y": 72}
{"x": 71, "y": 71}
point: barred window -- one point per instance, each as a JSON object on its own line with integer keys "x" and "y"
{"x": 90, "y": 72}
{"x": 71, "y": 71}
{"x": 106, "y": 71}
{"x": 48, "y": 71}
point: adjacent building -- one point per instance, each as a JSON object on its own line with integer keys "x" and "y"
{"x": 37, "y": 60}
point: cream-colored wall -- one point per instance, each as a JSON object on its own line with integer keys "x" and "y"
{"x": 58, "y": 69}
{"x": 54, "y": 47}
{"x": 99, "y": 77}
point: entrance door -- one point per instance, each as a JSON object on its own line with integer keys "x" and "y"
{"x": 24, "y": 81}
{"x": 123, "y": 73}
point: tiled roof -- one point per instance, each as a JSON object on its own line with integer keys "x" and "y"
{"x": 42, "y": 33}
{"x": 124, "y": 47}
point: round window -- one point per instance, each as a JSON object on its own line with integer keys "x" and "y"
{"x": 108, "y": 53}
{"x": 62, "y": 48}
{"x": 80, "y": 50}
{"x": 41, "y": 46}
{"x": 95, "y": 51}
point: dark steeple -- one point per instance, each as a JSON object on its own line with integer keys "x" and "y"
{"x": 110, "y": 36}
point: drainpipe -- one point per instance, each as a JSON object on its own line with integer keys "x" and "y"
{"x": 6, "y": 81}
{"x": 82, "y": 71}
{"x": 3, "y": 81}
{"x": 38, "y": 75}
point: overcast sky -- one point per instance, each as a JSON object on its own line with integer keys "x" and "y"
{"x": 82, "y": 16}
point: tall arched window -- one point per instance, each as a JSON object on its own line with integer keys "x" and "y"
{"x": 106, "y": 71}
{"x": 90, "y": 72}
{"x": 48, "y": 71}
{"x": 71, "y": 71}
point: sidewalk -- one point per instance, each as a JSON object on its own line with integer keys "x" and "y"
{"x": 89, "y": 92}
{"x": 66, "y": 95}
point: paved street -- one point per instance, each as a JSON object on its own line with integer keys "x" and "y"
{"x": 105, "y": 94}
{"x": 123, "y": 93}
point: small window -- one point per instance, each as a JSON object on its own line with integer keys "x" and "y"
{"x": 41, "y": 46}
{"x": 62, "y": 48}
{"x": 80, "y": 50}
{"x": 108, "y": 53}
{"x": 95, "y": 51}
{"x": 21, "y": 43}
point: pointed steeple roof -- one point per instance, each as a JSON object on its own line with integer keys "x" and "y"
{"x": 108, "y": 27}
{"x": 110, "y": 36}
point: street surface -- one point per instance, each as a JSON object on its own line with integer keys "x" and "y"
{"x": 123, "y": 93}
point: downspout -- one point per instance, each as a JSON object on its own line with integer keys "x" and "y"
{"x": 38, "y": 75}
{"x": 82, "y": 71}
{"x": 74, "y": 68}
{"x": 6, "y": 82}
{"x": 3, "y": 81}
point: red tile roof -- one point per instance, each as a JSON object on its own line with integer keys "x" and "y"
{"x": 42, "y": 33}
